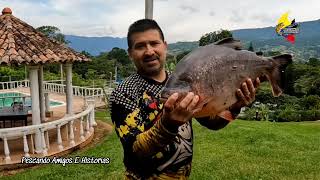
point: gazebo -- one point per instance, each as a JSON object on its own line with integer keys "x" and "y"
{"x": 21, "y": 44}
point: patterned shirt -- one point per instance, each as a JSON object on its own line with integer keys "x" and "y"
{"x": 150, "y": 149}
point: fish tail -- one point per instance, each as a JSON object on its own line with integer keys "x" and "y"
{"x": 276, "y": 75}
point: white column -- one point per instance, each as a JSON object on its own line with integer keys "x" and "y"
{"x": 41, "y": 94}
{"x": 34, "y": 89}
{"x": 46, "y": 99}
{"x": 61, "y": 74}
{"x": 69, "y": 93}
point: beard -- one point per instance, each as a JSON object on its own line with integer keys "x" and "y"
{"x": 145, "y": 70}
{"x": 150, "y": 71}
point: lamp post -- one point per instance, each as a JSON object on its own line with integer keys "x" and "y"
{"x": 148, "y": 9}
{"x": 110, "y": 79}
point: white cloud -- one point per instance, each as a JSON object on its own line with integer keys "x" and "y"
{"x": 181, "y": 20}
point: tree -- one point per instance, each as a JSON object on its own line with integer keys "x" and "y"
{"x": 314, "y": 62}
{"x": 251, "y": 47}
{"x": 54, "y": 33}
{"x": 273, "y": 53}
{"x": 212, "y": 37}
{"x": 120, "y": 55}
{"x": 87, "y": 54}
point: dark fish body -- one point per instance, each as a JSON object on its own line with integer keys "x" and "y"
{"x": 215, "y": 72}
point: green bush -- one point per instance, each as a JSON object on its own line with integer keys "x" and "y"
{"x": 249, "y": 114}
{"x": 289, "y": 114}
{"x": 310, "y": 102}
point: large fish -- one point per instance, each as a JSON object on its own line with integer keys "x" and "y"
{"x": 216, "y": 71}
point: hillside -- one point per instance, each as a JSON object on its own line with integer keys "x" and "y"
{"x": 95, "y": 45}
{"x": 307, "y": 41}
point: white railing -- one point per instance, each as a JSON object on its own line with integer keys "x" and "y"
{"x": 76, "y": 90}
{"x": 14, "y": 84}
{"x": 85, "y": 118}
{"x": 50, "y": 86}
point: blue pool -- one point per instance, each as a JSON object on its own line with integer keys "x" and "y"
{"x": 6, "y": 99}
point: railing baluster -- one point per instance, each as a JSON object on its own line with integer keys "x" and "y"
{"x": 47, "y": 139}
{"x": 88, "y": 125}
{"x": 71, "y": 135}
{"x": 59, "y": 139}
{"x": 25, "y": 145}
{"x": 81, "y": 129}
{"x": 94, "y": 123}
{"x": 6, "y": 149}
{"x": 43, "y": 142}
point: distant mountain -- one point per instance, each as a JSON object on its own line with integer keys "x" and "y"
{"x": 307, "y": 29}
{"x": 309, "y": 35}
{"x": 307, "y": 42}
{"x": 95, "y": 45}
{"x": 262, "y": 38}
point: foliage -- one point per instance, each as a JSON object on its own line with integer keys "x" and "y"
{"x": 120, "y": 55}
{"x": 53, "y": 32}
{"x": 103, "y": 66}
{"x": 310, "y": 102}
{"x": 87, "y": 54}
{"x": 303, "y": 79}
{"x": 302, "y": 101}
{"x": 314, "y": 62}
{"x": 214, "y": 36}
{"x": 7, "y": 73}
{"x": 251, "y": 47}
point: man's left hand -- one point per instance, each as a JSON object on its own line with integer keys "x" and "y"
{"x": 246, "y": 94}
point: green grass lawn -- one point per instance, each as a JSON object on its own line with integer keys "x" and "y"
{"x": 242, "y": 150}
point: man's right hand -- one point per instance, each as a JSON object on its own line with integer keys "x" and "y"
{"x": 178, "y": 113}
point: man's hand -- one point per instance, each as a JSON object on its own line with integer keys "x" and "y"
{"x": 246, "y": 94}
{"x": 178, "y": 113}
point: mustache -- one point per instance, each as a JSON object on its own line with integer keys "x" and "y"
{"x": 150, "y": 58}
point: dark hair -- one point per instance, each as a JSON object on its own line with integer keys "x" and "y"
{"x": 141, "y": 26}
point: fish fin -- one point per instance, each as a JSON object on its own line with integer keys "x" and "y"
{"x": 277, "y": 74}
{"x": 227, "y": 115}
{"x": 230, "y": 42}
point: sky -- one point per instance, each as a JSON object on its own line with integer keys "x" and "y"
{"x": 180, "y": 20}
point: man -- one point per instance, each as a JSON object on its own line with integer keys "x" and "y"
{"x": 156, "y": 137}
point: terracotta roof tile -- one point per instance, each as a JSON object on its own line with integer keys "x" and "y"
{"x": 20, "y": 43}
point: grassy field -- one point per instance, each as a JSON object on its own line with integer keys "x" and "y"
{"x": 242, "y": 150}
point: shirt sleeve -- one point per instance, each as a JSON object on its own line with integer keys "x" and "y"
{"x": 140, "y": 127}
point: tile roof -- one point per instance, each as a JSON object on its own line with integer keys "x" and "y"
{"x": 20, "y": 43}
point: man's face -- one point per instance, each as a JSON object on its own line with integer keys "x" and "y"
{"x": 148, "y": 52}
